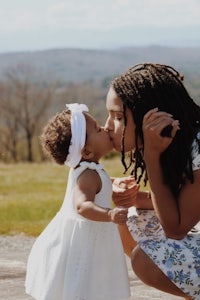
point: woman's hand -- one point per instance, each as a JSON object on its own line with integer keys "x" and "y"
{"x": 125, "y": 191}
{"x": 154, "y": 123}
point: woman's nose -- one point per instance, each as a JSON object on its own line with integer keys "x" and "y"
{"x": 108, "y": 125}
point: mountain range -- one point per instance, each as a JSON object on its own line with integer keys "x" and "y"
{"x": 80, "y": 65}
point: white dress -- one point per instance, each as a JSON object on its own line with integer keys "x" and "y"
{"x": 75, "y": 258}
{"x": 179, "y": 260}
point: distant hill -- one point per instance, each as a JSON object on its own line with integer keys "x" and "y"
{"x": 80, "y": 65}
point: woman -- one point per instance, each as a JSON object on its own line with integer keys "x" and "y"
{"x": 154, "y": 120}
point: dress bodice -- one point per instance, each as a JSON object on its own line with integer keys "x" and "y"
{"x": 102, "y": 198}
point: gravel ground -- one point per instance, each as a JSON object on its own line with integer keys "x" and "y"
{"x": 13, "y": 256}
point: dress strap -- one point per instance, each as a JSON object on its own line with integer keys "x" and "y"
{"x": 91, "y": 165}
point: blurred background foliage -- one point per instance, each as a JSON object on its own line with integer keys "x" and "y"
{"x": 36, "y": 85}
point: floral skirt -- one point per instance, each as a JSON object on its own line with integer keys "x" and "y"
{"x": 179, "y": 260}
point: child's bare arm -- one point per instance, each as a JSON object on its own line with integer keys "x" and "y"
{"x": 88, "y": 185}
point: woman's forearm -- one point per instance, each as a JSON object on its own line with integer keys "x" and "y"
{"x": 143, "y": 200}
{"x": 164, "y": 202}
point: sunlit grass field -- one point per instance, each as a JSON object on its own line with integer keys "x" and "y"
{"x": 31, "y": 194}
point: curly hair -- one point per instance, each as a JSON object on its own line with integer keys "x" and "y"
{"x": 56, "y": 137}
{"x": 144, "y": 87}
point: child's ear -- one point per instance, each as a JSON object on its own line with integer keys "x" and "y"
{"x": 86, "y": 153}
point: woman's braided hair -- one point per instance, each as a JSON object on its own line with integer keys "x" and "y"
{"x": 56, "y": 137}
{"x": 147, "y": 86}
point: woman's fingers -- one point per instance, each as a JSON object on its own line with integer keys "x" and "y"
{"x": 159, "y": 129}
{"x": 125, "y": 197}
{"x": 152, "y": 114}
{"x": 156, "y": 121}
{"x": 175, "y": 128}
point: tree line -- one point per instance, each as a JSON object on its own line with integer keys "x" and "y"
{"x": 28, "y": 100}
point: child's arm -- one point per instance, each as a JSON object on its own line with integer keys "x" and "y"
{"x": 88, "y": 185}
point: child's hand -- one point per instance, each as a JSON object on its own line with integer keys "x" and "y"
{"x": 125, "y": 191}
{"x": 118, "y": 215}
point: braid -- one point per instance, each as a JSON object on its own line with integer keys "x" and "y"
{"x": 123, "y": 137}
{"x": 146, "y": 86}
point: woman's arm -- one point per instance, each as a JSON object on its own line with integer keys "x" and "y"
{"x": 177, "y": 216}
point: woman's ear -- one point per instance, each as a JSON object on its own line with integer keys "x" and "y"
{"x": 86, "y": 153}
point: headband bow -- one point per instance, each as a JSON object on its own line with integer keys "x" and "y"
{"x": 78, "y": 130}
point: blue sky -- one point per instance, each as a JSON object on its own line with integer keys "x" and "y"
{"x": 44, "y": 24}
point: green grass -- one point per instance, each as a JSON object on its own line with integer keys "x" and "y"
{"x": 31, "y": 194}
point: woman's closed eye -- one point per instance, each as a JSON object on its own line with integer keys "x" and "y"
{"x": 118, "y": 116}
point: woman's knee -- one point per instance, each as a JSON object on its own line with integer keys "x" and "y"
{"x": 145, "y": 269}
{"x": 151, "y": 275}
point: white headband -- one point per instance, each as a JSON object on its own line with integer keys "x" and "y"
{"x": 78, "y": 130}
